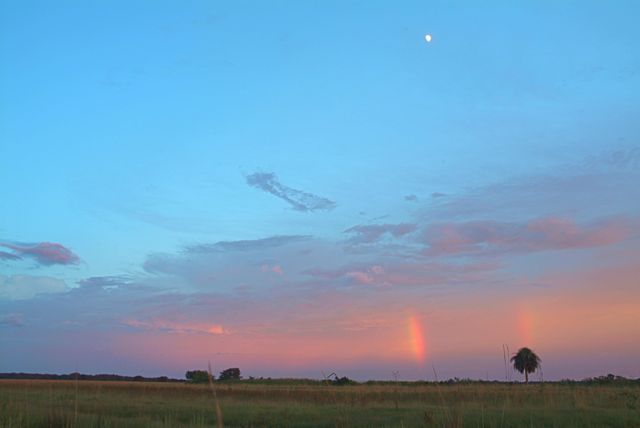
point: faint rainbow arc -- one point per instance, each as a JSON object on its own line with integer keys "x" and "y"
{"x": 417, "y": 339}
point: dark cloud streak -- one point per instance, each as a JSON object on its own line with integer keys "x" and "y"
{"x": 9, "y": 256}
{"x": 246, "y": 245}
{"x": 299, "y": 200}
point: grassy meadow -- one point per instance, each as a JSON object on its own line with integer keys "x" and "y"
{"x": 55, "y": 403}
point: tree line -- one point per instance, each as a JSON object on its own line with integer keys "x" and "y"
{"x": 202, "y": 376}
{"x": 80, "y": 376}
{"x": 525, "y": 361}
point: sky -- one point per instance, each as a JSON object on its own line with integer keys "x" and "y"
{"x": 299, "y": 188}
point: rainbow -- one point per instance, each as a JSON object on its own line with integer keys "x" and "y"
{"x": 416, "y": 339}
{"x": 525, "y": 326}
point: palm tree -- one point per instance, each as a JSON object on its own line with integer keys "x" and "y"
{"x": 526, "y": 361}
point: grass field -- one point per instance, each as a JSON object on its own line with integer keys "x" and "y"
{"x": 42, "y": 403}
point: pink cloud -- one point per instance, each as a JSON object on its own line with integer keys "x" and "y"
{"x": 360, "y": 277}
{"x": 45, "y": 253}
{"x": 370, "y": 275}
{"x": 550, "y": 233}
{"x": 277, "y": 269}
{"x": 175, "y": 327}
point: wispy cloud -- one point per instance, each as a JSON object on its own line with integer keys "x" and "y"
{"x": 246, "y": 245}
{"x": 11, "y": 320}
{"x": 298, "y": 199}
{"x": 18, "y": 287}
{"x": 491, "y": 237}
{"x": 45, "y": 253}
{"x": 372, "y": 233}
{"x": 176, "y": 327}
{"x": 627, "y": 158}
{"x": 277, "y": 269}
{"x": 411, "y": 198}
{"x": 600, "y": 185}
{"x": 231, "y": 264}
{"x": 405, "y": 274}
{"x": 105, "y": 282}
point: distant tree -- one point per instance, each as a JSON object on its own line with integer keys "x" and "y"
{"x": 526, "y": 361}
{"x": 230, "y": 374}
{"x": 343, "y": 381}
{"x": 197, "y": 376}
{"x": 337, "y": 380}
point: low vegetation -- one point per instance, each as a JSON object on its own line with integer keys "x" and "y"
{"x": 609, "y": 401}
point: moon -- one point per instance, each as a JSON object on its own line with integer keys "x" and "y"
{"x": 428, "y": 38}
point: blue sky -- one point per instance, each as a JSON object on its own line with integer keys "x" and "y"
{"x": 296, "y": 152}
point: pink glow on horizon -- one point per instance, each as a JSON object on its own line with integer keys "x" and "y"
{"x": 315, "y": 350}
{"x": 576, "y": 311}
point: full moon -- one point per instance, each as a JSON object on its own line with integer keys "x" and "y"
{"x": 428, "y": 38}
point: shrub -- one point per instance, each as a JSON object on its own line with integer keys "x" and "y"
{"x": 230, "y": 374}
{"x": 197, "y": 376}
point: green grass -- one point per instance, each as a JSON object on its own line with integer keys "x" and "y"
{"x": 39, "y": 403}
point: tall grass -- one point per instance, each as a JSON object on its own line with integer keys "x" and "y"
{"x": 39, "y": 403}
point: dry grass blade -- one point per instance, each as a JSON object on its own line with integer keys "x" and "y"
{"x": 447, "y": 412}
{"x": 75, "y": 407}
{"x": 219, "y": 423}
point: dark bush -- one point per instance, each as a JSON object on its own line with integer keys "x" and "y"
{"x": 230, "y": 374}
{"x": 197, "y": 376}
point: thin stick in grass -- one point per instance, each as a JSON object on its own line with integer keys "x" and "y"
{"x": 75, "y": 407}
{"x": 219, "y": 423}
{"x": 447, "y": 412}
